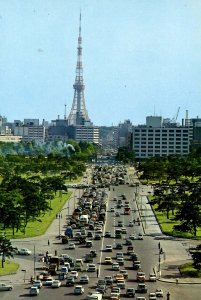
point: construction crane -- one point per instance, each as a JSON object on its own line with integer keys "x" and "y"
{"x": 174, "y": 120}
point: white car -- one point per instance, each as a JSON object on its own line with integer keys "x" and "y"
{"x": 78, "y": 290}
{"x": 24, "y": 251}
{"x": 159, "y": 293}
{"x": 131, "y": 224}
{"x": 152, "y": 277}
{"x": 71, "y": 246}
{"x": 5, "y": 287}
{"x": 108, "y": 248}
{"x": 152, "y": 296}
{"x": 56, "y": 283}
{"x": 115, "y": 267}
{"x": 140, "y": 236}
{"x": 37, "y": 283}
{"x": 74, "y": 274}
{"x": 34, "y": 290}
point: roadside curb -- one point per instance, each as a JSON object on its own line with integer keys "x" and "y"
{"x": 180, "y": 282}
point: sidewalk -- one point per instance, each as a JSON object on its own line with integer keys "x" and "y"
{"x": 175, "y": 249}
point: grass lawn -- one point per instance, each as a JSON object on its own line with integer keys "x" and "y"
{"x": 37, "y": 228}
{"x": 188, "y": 270}
{"x": 168, "y": 224}
{"x": 9, "y": 267}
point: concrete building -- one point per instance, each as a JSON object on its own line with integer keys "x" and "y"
{"x": 154, "y": 140}
{"x": 30, "y": 130}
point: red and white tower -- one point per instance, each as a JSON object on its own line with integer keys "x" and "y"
{"x": 78, "y": 114}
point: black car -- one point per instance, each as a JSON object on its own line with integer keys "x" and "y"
{"x": 130, "y": 292}
{"x": 128, "y": 242}
{"x": 119, "y": 246}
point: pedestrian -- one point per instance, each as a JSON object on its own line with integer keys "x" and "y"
{"x": 48, "y": 242}
{"x": 56, "y": 216}
{"x": 97, "y": 272}
{"x": 159, "y": 245}
{"x": 177, "y": 281}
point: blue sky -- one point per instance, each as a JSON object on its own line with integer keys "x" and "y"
{"x": 140, "y": 58}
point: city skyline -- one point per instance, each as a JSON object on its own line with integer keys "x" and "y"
{"x": 140, "y": 58}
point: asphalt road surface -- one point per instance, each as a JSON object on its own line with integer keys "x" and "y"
{"x": 147, "y": 250}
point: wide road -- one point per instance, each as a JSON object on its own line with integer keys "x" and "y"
{"x": 147, "y": 250}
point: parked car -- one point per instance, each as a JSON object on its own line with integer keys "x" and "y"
{"x": 5, "y": 287}
{"x": 24, "y": 251}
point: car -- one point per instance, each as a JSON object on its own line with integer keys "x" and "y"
{"x": 136, "y": 265}
{"x": 118, "y": 276}
{"x": 124, "y": 273}
{"x": 120, "y": 260}
{"x": 108, "y": 234}
{"x": 101, "y": 289}
{"x": 117, "y": 214}
{"x": 108, "y": 280}
{"x": 152, "y": 277}
{"x": 123, "y": 230}
{"x": 34, "y": 291}
{"x": 91, "y": 268}
{"x": 131, "y": 224}
{"x": 78, "y": 290}
{"x": 118, "y": 246}
{"x": 101, "y": 282}
{"x": 141, "y": 288}
{"x": 140, "y": 276}
{"x": 108, "y": 260}
{"x": 56, "y": 283}
{"x": 116, "y": 290}
{"x": 120, "y": 223}
{"x": 89, "y": 244}
{"x": 119, "y": 254}
{"x": 128, "y": 242}
{"x": 108, "y": 248}
{"x": 38, "y": 283}
{"x": 71, "y": 246}
{"x": 97, "y": 236}
{"x": 90, "y": 234}
{"x": 93, "y": 253}
{"x": 130, "y": 292}
{"x": 64, "y": 270}
{"x": 24, "y": 251}
{"x": 94, "y": 296}
{"x": 48, "y": 282}
{"x": 159, "y": 293}
{"x": 132, "y": 237}
{"x": 112, "y": 209}
{"x": 84, "y": 279}
{"x": 115, "y": 267}
{"x": 140, "y": 298}
{"x": 140, "y": 236}
{"x": 152, "y": 296}
{"x": 70, "y": 281}
{"x": 121, "y": 284}
{"x": 5, "y": 287}
{"x": 74, "y": 274}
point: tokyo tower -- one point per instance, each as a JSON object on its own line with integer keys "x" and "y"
{"x": 78, "y": 114}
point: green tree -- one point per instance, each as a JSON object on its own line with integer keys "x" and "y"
{"x": 6, "y": 249}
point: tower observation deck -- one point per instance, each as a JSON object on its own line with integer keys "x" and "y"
{"x": 78, "y": 114}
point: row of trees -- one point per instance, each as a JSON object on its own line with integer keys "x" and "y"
{"x": 177, "y": 188}
{"x": 29, "y": 183}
